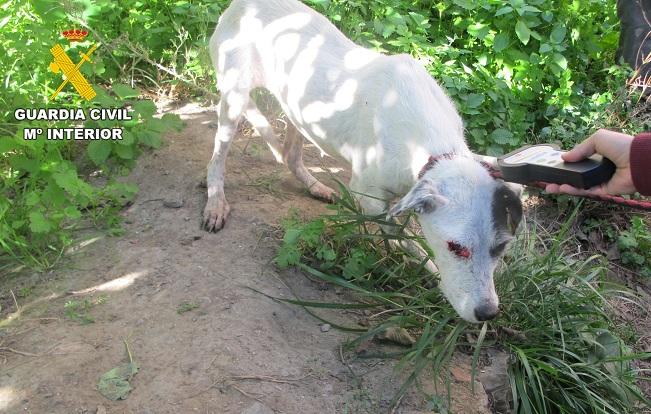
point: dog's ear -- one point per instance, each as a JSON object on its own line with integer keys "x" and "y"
{"x": 516, "y": 188}
{"x": 507, "y": 208}
{"x": 422, "y": 198}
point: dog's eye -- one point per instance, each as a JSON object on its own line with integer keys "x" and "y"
{"x": 459, "y": 250}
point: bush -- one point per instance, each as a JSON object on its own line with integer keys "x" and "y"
{"x": 512, "y": 67}
{"x": 44, "y": 187}
{"x": 565, "y": 354}
{"x": 635, "y": 246}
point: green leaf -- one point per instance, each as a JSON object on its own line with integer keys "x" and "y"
{"x": 522, "y": 31}
{"x": 288, "y": 255}
{"x": 149, "y": 138}
{"x": 127, "y": 138}
{"x": 545, "y": 47}
{"x": 114, "y": 384}
{"x": 531, "y": 9}
{"x": 49, "y": 10}
{"x": 547, "y": 16}
{"x": 38, "y": 223}
{"x": 479, "y": 30}
{"x": 502, "y": 136}
{"x": 125, "y": 91}
{"x": 9, "y": 144}
{"x": 501, "y": 42}
{"x": 72, "y": 212}
{"x": 172, "y": 121}
{"x": 560, "y": 60}
{"x": 124, "y": 151}
{"x": 98, "y": 151}
{"x": 99, "y": 68}
{"x": 68, "y": 180}
{"x": 558, "y": 34}
{"x": 4, "y": 21}
{"x": 466, "y": 4}
{"x": 32, "y": 199}
{"x": 474, "y": 100}
{"x": 145, "y": 108}
{"x": 104, "y": 99}
{"x": 504, "y": 10}
{"x": 388, "y": 30}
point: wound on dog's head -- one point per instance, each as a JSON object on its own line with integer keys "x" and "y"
{"x": 459, "y": 250}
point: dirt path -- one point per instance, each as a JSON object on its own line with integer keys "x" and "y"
{"x": 179, "y": 296}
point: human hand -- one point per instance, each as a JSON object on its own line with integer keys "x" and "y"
{"x": 613, "y": 145}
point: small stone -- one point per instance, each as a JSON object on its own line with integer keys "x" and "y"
{"x": 325, "y": 327}
{"x": 613, "y": 252}
{"x": 495, "y": 380}
{"x": 258, "y": 408}
{"x": 100, "y": 410}
{"x": 396, "y": 335}
{"x": 173, "y": 203}
{"x": 460, "y": 374}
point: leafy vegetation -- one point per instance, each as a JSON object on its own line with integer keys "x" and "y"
{"x": 45, "y": 185}
{"x": 635, "y": 245}
{"x": 186, "y": 307}
{"x": 519, "y": 70}
{"x": 566, "y": 355}
{"x": 79, "y": 310}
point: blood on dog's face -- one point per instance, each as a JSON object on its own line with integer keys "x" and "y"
{"x": 468, "y": 219}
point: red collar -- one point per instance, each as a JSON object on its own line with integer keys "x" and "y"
{"x": 433, "y": 160}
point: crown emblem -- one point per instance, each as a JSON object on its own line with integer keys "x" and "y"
{"x": 74, "y": 35}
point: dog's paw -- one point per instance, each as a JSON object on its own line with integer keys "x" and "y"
{"x": 215, "y": 214}
{"x": 323, "y": 192}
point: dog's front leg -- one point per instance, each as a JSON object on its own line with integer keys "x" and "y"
{"x": 217, "y": 208}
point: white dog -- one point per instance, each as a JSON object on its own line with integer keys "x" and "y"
{"x": 385, "y": 116}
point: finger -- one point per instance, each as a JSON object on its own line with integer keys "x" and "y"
{"x": 610, "y": 188}
{"x": 599, "y": 190}
{"x": 568, "y": 189}
{"x": 552, "y": 188}
{"x": 581, "y": 151}
{"x": 563, "y": 189}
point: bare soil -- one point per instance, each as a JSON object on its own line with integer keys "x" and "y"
{"x": 181, "y": 299}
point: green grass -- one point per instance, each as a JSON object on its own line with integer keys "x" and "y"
{"x": 79, "y": 310}
{"x": 186, "y": 307}
{"x": 565, "y": 355}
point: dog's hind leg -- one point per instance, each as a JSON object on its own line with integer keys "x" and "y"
{"x": 293, "y": 156}
{"x": 260, "y": 123}
{"x": 230, "y": 109}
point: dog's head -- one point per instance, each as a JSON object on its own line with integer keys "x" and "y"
{"x": 468, "y": 219}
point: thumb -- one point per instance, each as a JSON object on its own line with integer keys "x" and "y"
{"x": 581, "y": 151}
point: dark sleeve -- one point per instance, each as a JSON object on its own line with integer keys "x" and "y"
{"x": 641, "y": 163}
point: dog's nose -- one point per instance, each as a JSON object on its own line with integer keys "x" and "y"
{"x": 486, "y": 312}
